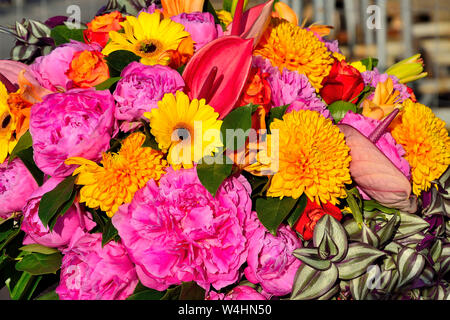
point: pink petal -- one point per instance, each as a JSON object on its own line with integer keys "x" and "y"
{"x": 376, "y": 174}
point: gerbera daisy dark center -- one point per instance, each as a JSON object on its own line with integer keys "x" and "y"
{"x": 148, "y": 47}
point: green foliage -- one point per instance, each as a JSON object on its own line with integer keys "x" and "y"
{"x": 24, "y": 151}
{"x": 273, "y": 211}
{"x": 238, "y": 121}
{"x": 38, "y": 263}
{"x": 55, "y": 203}
{"x": 339, "y": 109}
{"x": 212, "y": 171}
{"x": 63, "y": 34}
{"x": 107, "y": 84}
{"x": 118, "y": 60}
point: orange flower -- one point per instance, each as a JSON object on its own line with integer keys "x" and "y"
{"x": 257, "y": 90}
{"x": 283, "y": 11}
{"x": 384, "y": 101}
{"x": 174, "y": 7}
{"x": 98, "y": 29}
{"x": 88, "y": 69}
{"x": 182, "y": 55}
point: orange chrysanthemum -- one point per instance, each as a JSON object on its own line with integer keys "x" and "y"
{"x": 122, "y": 174}
{"x": 426, "y": 142}
{"x": 313, "y": 158}
{"x": 294, "y": 48}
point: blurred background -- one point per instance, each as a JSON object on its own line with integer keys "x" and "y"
{"x": 407, "y": 27}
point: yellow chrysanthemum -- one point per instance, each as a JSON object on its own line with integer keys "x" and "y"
{"x": 358, "y": 65}
{"x": 294, "y": 48}
{"x": 148, "y": 37}
{"x": 122, "y": 174}
{"x": 225, "y": 17}
{"x": 189, "y": 130}
{"x": 426, "y": 142}
{"x": 313, "y": 158}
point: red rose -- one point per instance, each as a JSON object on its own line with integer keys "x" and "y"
{"x": 313, "y": 212}
{"x": 343, "y": 83}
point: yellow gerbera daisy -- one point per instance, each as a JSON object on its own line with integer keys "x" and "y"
{"x": 148, "y": 37}
{"x": 426, "y": 142}
{"x": 120, "y": 176}
{"x": 294, "y": 48}
{"x": 313, "y": 158}
{"x": 189, "y": 130}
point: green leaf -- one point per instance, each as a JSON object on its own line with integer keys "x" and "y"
{"x": 27, "y": 158}
{"x": 25, "y": 286}
{"x": 149, "y": 294}
{"x": 208, "y": 7}
{"x": 410, "y": 265}
{"x": 191, "y": 291}
{"x": 38, "y": 263}
{"x": 358, "y": 258}
{"x": 327, "y": 247}
{"x": 63, "y": 34}
{"x": 150, "y": 140}
{"x": 372, "y": 205}
{"x": 52, "y": 295}
{"x": 105, "y": 85}
{"x": 109, "y": 233}
{"x": 54, "y": 202}
{"x": 328, "y": 224}
{"x": 369, "y": 236}
{"x": 172, "y": 293}
{"x": 310, "y": 283}
{"x": 61, "y": 211}
{"x": 354, "y": 201}
{"x": 272, "y": 211}
{"x": 386, "y": 232}
{"x": 8, "y": 233}
{"x": 227, "y": 5}
{"x": 39, "y": 249}
{"x": 24, "y": 143}
{"x": 410, "y": 224}
{"x": 276, "y": 113}
{"x": 118, "y": 60}
{"x": 339, "y": 109}
{"x": 298, "y": 210}
{"x": 212, "y": 171}
{"x": 370, "y": 63}
{"x": 236, "y": 127}
{"x": 311, "y": 257}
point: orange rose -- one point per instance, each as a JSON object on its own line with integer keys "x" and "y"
{"x": 98, "y": 29}
{"x": 257, "y": 90}
{"x": 182, "y": 55}
{"x": 88, "y": 69}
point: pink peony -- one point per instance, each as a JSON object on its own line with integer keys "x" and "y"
{"x": 291, "y": 88}
{"x": 50, "y": 70}
{"x": 90, "y": 272}
{"x": 16, "y": 186}
{"x": 385, "y": 144}
{"x": 77, "y": 123}
{"x": 201, "y": 26}
{"x": 66, "y": 226}
{"x": 238, "y": 293}
{"x": 178, "y": 232}
{"x": 270, "y": 260}
{"x": 141, "y": 87}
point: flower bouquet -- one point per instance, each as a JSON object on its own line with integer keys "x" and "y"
{"x": 174, "y": 151}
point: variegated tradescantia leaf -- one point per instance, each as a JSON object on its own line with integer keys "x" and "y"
{"x": 311, "y": 257}
{"x": 444, "y": 260}
{"x": 335, "y": 230}
{"x": 386, "y": 232}
{"x": 410, "y": 224}
{"x": 357, "y": 260}
{"x": 310, "y": 283}
{"x": 410, "y": 265}
{"x": 369, "y": 237}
